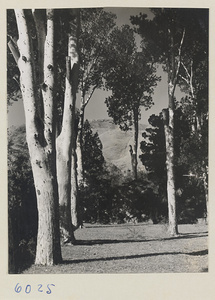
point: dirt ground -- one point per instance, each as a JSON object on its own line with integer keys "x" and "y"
{"x": 128, "y": 248}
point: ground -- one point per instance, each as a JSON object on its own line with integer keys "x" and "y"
{"x": 133, "y": 248}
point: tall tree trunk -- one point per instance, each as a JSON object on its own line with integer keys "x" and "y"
{"x": 168, "y": 117}
{"x": 64, "y": 150}
{"x": 136, "y": 131}
{"x": 133, "y": 151}
{"x": 205, "y": 183}
{"x": 74, "y": 191}
{"x": 79, "y": 144}
{"x": 64, "y": 156}
{"x": 173, "y": 67}
{"x": 65, "y": 141}
{"x": 41, "y": 140}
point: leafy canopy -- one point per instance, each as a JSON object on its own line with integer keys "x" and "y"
{"x": 130, "y": 76}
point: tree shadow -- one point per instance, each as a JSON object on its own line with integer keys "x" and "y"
{"x": 140, "y": 240}
{"x": 77, "y": 261}
{"x": 193, "y": 233}
{"x": 117, "y": 225}
{"x": 199, "y": 253}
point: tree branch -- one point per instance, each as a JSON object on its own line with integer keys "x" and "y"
{"x": 14, "y": 51}
{"x": 188, "y": 75}
{"x": 26, "y": 67}
{"x": 90, "y": 95}
{"x": 191, "y": 79}
{"x": 90, "y": 69}
{"x": 48, "y": 85}
{"x": 187, "y": 81}
{"x": 179, "y": 54}
{"x": 41, "y": 36}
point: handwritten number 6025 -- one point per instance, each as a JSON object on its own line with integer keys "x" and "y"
{"x": 18, "y": 288}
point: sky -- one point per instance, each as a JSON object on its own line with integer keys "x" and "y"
{"x": 96, "y": 109}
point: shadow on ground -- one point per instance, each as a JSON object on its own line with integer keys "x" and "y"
{"x": 199, "y": 253}
{"x": 109, "y": 241}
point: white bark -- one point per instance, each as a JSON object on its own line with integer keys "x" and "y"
{"x": 48, "y": 84}
{"x": 79, "y": 161}
{"x": 173, "y": 73}
{"x": 64, "y": 153}
{"x": 168, "y": 117}
{"x": 65, "y": 144}
{"x": 79, "y": 145}
{"x": 74, "y": 191}
{"x": 41, "y": 37}
{"x": 79, "y": 142}
{"x": 41, "y": 148}
{"x": 205, "y": 183}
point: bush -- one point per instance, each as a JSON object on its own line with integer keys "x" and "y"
{"x": 22, "y": 206}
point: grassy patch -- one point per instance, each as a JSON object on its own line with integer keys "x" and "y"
{"x": 139, "y": 248}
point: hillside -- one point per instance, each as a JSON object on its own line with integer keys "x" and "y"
{"x": 116, "y": 143}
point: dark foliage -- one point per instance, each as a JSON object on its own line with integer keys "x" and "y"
{"x": 190, "y": 193}
{"x": 22, "y": 208}
{"x": 94, "y": 192}
{"x": 108, "y": 196}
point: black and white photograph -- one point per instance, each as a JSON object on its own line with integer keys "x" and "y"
{"x": 107, "y": 142}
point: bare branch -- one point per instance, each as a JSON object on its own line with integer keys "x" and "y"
{"x": 191, "y": 79}
{"x": 90, "y": 95}
{"x": 188, "y": 75}
{"x": 49, "y": 78}
{"x": 41, "y": 36}
{"x": 26, "y": 67}
{"x": 185, "y": 79}
{"x": 14, "y": 51}
{"x": 179, "y": 53}
{"x": 13, "y": 39}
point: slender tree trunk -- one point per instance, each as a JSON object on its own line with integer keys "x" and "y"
{"x": 133, "y": 151}
{"x": 41, "y": 140}
{"x": 64, "y": 186}
{"x": 205, "y": 183}
{"x": 168, "y": 117}
{"x": 74, "y": 191}
{"x": 79, "y": 145}
{"x": 173, "y": 67}
{"x": 136, "y": 131}
{"x": 64, "y": 161}
{"x": 48, "y": 238}
{"x": 65, "y": 142}
{"x": 75, "y": 74}
{"x": 64, "y": 156}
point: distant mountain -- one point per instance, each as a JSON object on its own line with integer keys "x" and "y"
{"x": 116, "y": 143}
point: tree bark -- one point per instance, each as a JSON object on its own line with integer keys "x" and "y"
{"x": 13, "y": 51}
{"x": 133, "y": 151}
{"x": 205, "y": 183}
{"x": 173, "y": 67}
{"x": 79, "y": 144}
{"x": 66, "y": 144}
{"x": 168, "y": 117}
{"x": 74, "y": 191}
{"x": 41, "y": 140}
{"x": 41, "y": 37}
{"x": 64, "y": 154}
{"x": 136, "y": 130}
